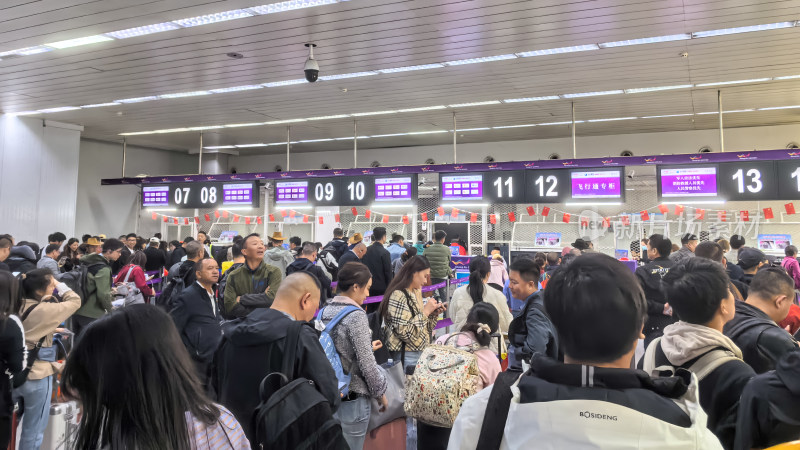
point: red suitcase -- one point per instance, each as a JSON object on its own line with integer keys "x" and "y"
{"x": 391, "y": 436}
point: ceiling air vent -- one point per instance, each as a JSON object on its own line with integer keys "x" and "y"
{"x": 278, "y": 168}
{"x": 430, "y": 161}
{"x": 626, "y": 153}
{"x": 704, "y": 149}
{"x": 792, "y": 145}
{"x": 375, "y": 164}
{"x": 554, "y": 156}
{"x": 325, "y": 166}
{"x": 488, "y": 159}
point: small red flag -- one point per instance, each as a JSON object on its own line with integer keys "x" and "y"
{"x": 225, "y": 214}
{"x": 196, "y": 219}
{"x": 745, "y": 216}
{"x": 321, "y": 220}
{"x": 176, "y": 221}
{"x": 722, "y": 216}
{"x": 424, "y": 217}
{"x": 284, "y": 213}
{"x": 385, "y": 218}
{"x": 305, "y": 218}
{"x": 546, "y": 211}
{"x": 354, "y": 210}
{"x": 768, "y": 213}
{"x": 454, "y": 213}
{"x": 699, "y": 214}
{"x": 493, "y": 219}
{"x": 336, "y": 218}
{"x": 473, "y": 217}
{"x": 272, "y": 217}
{"x": 565, "y": 218}
{"x": 626, "y": 220}
{"x": 186, "y": 221}
{"x": 440, "y": 210}
{"x": 216, "y": 214}
{"x": 405, "y": 220}
{"x": 155, "y": 216}
{"x": 663, "y": 208}
{"x": 512, "y": 217}
{"x": 678, "y": 209}
{"x": 531, "y": 211}
{"x": 606, "y": 222}
{"x": 247, "y": 221}
{"x": 292, "y": 213}
{"x": 645, "y": 215}
{"x": 235, "y": 218}
{"x": 166, "y": 219}
{"x": 789, "y": 208}
{"x": 207, "y": 217}
{"x": 260, "y": 220}
{"x": 367, "y": 214}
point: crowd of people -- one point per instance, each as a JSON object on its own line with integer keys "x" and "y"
{"x": 292, "y": 344}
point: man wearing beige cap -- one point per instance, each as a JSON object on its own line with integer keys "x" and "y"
{"x": 276, "y": 255}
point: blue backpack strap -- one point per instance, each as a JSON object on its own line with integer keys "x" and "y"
{"x": 344, "y": 312}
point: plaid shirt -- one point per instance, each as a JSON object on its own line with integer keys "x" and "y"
{"x": 405, "y": 325}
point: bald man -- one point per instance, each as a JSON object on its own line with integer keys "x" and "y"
{"x": 253, "y": 347}
{"x": 353, "y": 255}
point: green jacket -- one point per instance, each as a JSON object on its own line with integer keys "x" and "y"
{"x": 439, "y": 257}
{"x": 98, "y": 286}
{"x": 251, "y": 285}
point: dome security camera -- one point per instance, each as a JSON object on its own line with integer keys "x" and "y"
{"x": 311, "y": 68}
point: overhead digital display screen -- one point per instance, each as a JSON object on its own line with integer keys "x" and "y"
{"x": 237, "y": 194}
{"x": 291, "y": 192}
{"x": 596, "y": 184}
{"x": 547, "y": 186}
{"x": 201, "y": 195}
{"x": 155, "y": 196}
{"x": 507, "y": 186}
{"x": 788, "y": 176}
{"x": 748, "y": 180}
{"x": 461, "y": 187}
{"x": 686, "y": 182}
{"x": 397, "y": 188}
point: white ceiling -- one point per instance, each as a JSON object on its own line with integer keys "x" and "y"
{"x": 362, "y": 35}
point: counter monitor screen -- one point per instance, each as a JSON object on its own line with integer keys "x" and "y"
{"x": 688, "y": 182}
{"x": 596, "y": 184}
{"x": 291, "y": 192}
{"x": 155, "y": 196}
{"x": 387, "y": 189}
{"x": 462, "y": 187}
{"x": 237, "y": 194}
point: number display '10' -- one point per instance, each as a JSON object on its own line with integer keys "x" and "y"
{"x": 357, "y": 190}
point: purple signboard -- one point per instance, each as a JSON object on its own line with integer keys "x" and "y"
{"x": 588, "y": 184}
{"x": 387, "y": 189}
{"x": 462, "y": 187}
{"x": 291, "y": 192}
{"x": 688, "y": 182}
{"x": 155, "y": 196}
{"x": 237, "y": 194}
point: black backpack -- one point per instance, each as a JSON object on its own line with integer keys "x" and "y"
{"x": 518, "y": 328}
{"x": 171, "y": 291}
{"x": 331, "y": 267}
{"x": 78, "y": 279}
{"x": 22, "y": 376}
{"x": 293, "y": 414}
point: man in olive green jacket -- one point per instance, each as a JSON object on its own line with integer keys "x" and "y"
{"x": 98, "y": 285}
{"x": 252, "y": 285}
{"x": 439, "y": 257}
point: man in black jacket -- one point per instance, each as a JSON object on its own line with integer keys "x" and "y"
{"x": 252, "y": 347}
{"x": 197, "y": 317}
{"x": 156, "y": 259}
{"x": 650, "y": 276}
{"x": 338, "y": 243}
{"x": 751, "y": 260}
{"x": 379, "y": 263}
{"x": 306, "y": 262}
{"x": 177, "y": 254}
{"x": 755, "y": 328}
{"x": 353, "y": 255}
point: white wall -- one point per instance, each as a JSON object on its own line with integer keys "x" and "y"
{"x": 38, "y": 177}
{"x": 113, "y": 210}
{"x": 642, "y": 144}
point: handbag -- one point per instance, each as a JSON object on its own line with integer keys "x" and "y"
{"x": 395, "y": 396}
{"x": 132, "y": 295}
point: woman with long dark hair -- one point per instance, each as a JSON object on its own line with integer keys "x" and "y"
{"x": 139, "y": 390}
{"x": 409, "y": 321}
{"x": 12, "y": 349}
{"x": 69, "y": 258}
{"x": 134, "y": 272}
{"x": 478, "y": 291}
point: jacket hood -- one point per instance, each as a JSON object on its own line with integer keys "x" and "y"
{"x": 787, "y": 370}
{"x": 496, "y": 262}
{"x": 93, "y": 258}
{"x": 683, "y": 342}
{"x": 22, "y": 251}
{"x": 300, "y": 264}
{"x": 275, "y": 253}
{"x": 262, "y": 326}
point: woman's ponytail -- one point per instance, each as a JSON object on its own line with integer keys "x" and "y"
{"x": 479, "y": 267}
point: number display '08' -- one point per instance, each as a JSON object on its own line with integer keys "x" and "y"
{"x": 208, "y": 195}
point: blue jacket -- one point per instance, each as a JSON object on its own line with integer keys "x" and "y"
{"x": 541, "y": 337}
{"x": 396, "y": 251}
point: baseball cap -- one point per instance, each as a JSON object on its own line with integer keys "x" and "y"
{"x": 155, "y": 240}
{"x": 688, "y": 237}
{"x": 750, "y": 257}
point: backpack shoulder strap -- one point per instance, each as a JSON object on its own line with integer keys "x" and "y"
{"x": 290, "y": 349}
{"x": 494, "y": 419}
{"x": 28, "y": 312}
{"x": 129, "y": 273}
{"x": 342, "y": 314}
{"x": 710, "y": 362}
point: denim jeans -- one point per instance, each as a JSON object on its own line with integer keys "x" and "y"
{"x": 411, "y": 358}
{"x": 36, "y": 396}
{"x": 354, "y": 416}
{"x": 441, "y": 293}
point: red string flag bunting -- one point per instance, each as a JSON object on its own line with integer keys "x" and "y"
{"x": 321, "y": 220}
{"x": 292, "y": 213}
{"x": 196, "y": 220}
{"x": 454, "y": 213}
{"x": 493, "y": 219}
{"x": 305, "y": 218}
{"x": 565, "y": 218}
{"x": 424, "y": 217}
{"x": 155, "y": 216}
{"x": 260, "y": 220}
{"x": 176, "y": 221}
{"x": 722, "y": 216}
{"x": 284, "y": 213}
{"x": 473, "y": 217}
{"x": 186, "y": 221}
{"x": 247, "y": 221}
{"x": 789, "y": 208}
{"x": 354, "y": 210}
{"x": 166, "y": 219}
{"x": 768, "y": 213}
{"x": 678, "y": 209}
{"x": 405, "y": 220}
{"x": 216, "y": 214}
{"x": 531, "y": 210}
{"x": 336, "y": 218}
{"x": 626, "y": 220}
{"x": 512, "y": 217}
{"x": 207, "y": 217}
{"x": 663, "y": 208}
{"x": 606, "y": 222}
{"x": 385, "y": 218}
{"x": 645, "y": 215}
{"x": 699, "y": 214}
{"x": 744, "y": 216}
{"x": 367, "y": 214}
{"x": 235, "y": 218}
{"x": 546, "y": 211}
{"x": 272, "y": 217}
{"x": 225, "y": 214}
{"x": 440, "y": 210}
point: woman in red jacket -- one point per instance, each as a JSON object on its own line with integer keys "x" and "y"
{"x": 136, "y": 268}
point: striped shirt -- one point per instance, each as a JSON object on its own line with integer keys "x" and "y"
{"x": 225, "y": 434}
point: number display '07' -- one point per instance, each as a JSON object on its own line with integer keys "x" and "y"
{"x": 182, "y": 196}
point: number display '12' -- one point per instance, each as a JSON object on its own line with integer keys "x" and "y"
{"x": 547, "y": 186}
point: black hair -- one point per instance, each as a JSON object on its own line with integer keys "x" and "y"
{"x": 157, "y": 235}
{"x": 660, "y": 243}
{"x": 695, "y": 289}
{"x": 85, "y": 238}
{"x": 338, "y": 232}
{"x": 479, "y": 267}
{"x": 244, "y": 242}
{"x": 50, "y": 248}
{"x": 176, "y": 243}
{"x": 410, "y": 253}
{"x": 309, "y": 248}
{"x": 10, "y": 295}
{"x": 138, "y": 259}
{"x": 790, "y": 250}
{"x": 145, "y": 375}
{"x": 236, "y": 250}
{"x": 130, "y": 235}
{"x": 496, "y": 248}
{"x": 111, "y": 245}
{"x": 67, "y": 250}
{"x": 296, "y": 241}
{"x": 771, "y": 281}
{"x": 421, "y": 237}
{"x": 6, "y": 242}
{"x": 439, "y": 235}
{"x": 164, "y": 245}
{"x": 552, "y": 258}
{"x": 529, "y": 270}
{"x": 378, "y": 233}
{"x": 709, "y": 250}
{"x": 397, "y": 238}
{"x": 597, "y": 307}
{"x": 403, "y": 280}
{"x": 737, "y": 241}
{"x": 187, "y": 239}
{"x": 35, "y": 281}
{"x": 57, "y": 237}
{"x": 482, "y": 313}
{"x": 351, "y": 274}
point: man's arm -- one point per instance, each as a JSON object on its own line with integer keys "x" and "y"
{"x": 102, "y": 284}
{"x": 538, "y": 332}
{"x": 314, "y": 365}
{"x": 230, "y": 299}
{"x": 776, "y": 342}
{"x": 387, "y": 266}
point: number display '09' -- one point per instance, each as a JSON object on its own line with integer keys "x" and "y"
{"x": 323, "y": 191}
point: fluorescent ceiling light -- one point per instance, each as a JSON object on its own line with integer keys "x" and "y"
{"x": 424, "y": 108}
{"x": 790, "y": 77}
{"x": 337, "y": 116}
{"x": 427, "y": 132}
{"x": 137, "y": 99}
{"x": 347, "y": 75}
{"x": 99, "y": 105}
{"x": 284, "y": 83}
{"x": 236, "y": 88}
{"x": 471, "y": 129}
{"x": 374, "y": 113}
{"x": 389, "y": 135}
{"x": 556, "y": 51}
{"x": 172, "y": 130}
{"x": 747, "y": 29}
{"x": 649, "y": 40}
{"x": 290, "y": 5}
{"x": 142, "y": 31}
{"x": 738, "y": 111}
{"x": 217, "y": 147}
{"x": 213, "y": 18}
{"x": 185, "y": 94}
{"x": 667, "y": 115}
{"x": 210, "y": 127}
{"x": 612, "y": 119}
{"x": 350, "y": 138}
{"x": 515, "y": 126}
{"x": 706, "y": 113}
{"x": 306, "y": 141}
{"x": 32, "y": 50}
{"x": 558, "y": 123}
{"x": 779, "y": 107}
{"x": 723, "y": 83}
{"x": 59, "y": 109}
{"x": 658, "y": 88}
{"x": 251, "y": 145}
{"x": 24, "y": 113}
{"x": 484, "y": 59}
{"x": 410, "y": 68}
{"x": 278, "y": 122}
{"x": 592, "y": 94}
{"x": 236, "y": 125}
{"x": 136, "y": 133}
{"x": 79, "y": 41}
{"x": 464, "y": 105}
{"x": 531, "y": 99}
